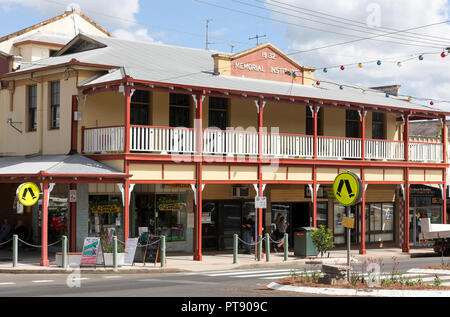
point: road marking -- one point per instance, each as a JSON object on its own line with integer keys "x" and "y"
{"x": 178, "y": 281}
{"x": 248, "y": 272}
{"x": 262, "y": 274}
{"x": 112, "y": 276}
{"x": 429, "y": 271}
{"x": 8, "y": 283}
{"x": 43, "y": 281}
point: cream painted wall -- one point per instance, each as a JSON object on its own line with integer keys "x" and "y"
{"x": 33, "y": 52}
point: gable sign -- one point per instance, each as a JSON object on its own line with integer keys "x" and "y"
{"x": 267, "y": 64}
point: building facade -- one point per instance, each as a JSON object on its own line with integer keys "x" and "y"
{"x": 192, "y": 137}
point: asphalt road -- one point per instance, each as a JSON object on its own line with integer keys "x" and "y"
{"x": 249, "y": 283}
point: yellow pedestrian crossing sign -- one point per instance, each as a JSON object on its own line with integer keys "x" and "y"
{"x": 28, "y": 194}
{"x": 347, "y": 188}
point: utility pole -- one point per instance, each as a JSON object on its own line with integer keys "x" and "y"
{"x": 257, "y": 37}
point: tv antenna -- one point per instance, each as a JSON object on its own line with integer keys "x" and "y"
{"x": 207, "y": 34}
{"x": 257, "y": 37}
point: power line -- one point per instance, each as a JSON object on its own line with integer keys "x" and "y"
{"x": 365, "y": 29}
{"x": 318, "y": 29}
{"x": 321, "y": 14}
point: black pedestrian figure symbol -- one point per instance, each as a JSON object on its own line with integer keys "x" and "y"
{"x": 28, "y": 190}
{"x": 347, "y": 185}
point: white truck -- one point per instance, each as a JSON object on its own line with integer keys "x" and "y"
{"x": 439, "y": 233}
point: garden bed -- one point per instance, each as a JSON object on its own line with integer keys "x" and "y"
{"x": 292, "y": 281}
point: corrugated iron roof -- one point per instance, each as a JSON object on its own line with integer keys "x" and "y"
{"x": 195, "y": 68}
{"x": 55, "y": 164}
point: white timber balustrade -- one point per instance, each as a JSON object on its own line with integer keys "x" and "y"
{"x": 385, "y": 150}
{"x": 339, "y": 148}
{"x": 425, "y": 152}
{"x": 230, "y": 142}
{"x": 104, "y": 139}
{"x": 162, "y": 139}
{"x": 285, "y": 145}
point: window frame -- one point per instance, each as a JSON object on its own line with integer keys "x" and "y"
{"x": 381, "y": 124}
{"x": 176, "y": 103}
{"x": 218, "y": 108}
{"x": 350, "y": 121}
{"x": 32, "y": 108}
{"x": 55, "y": 107}
{"x": 134, "y": 104}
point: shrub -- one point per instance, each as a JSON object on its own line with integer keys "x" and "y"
{"x": 322, "y": 239}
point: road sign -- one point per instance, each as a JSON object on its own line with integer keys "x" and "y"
{"x": 347, "y": 188}
{"x": 28, "y": 194}
{"x": 348, "y": 222}
{"x": 260, "y": 202}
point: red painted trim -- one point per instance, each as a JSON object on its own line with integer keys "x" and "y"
{"x": 73, "y": 223}
{"x": 363, "y": 135}
{"x": 38, "y": 43}
{"x": 406, "y": 138}
{"x": 105, "y": 127}
{"x": 44, "y": 225}
{"x": 127, "y": 119}
{"x": 162, "y": 171}
{"x": 161, "y": 182}
{"x": 314, "y": 194}
{"x": 315, "y": 115}
{"x": 444, "y": 198}
{"x": 406, "y": 211}
{"x": 362, "y": 249}
{"x": 82, "y": 139}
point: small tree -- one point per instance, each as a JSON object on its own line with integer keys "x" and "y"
{"x": 322, "y": 239}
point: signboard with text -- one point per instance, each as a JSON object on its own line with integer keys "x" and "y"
{"x": 92, "y": 253}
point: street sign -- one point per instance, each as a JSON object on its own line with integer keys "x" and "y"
{"x": 260, "y": 202}
{"x": 72, "y": 196}
{"x": 347, "y": 189}
{"x": 348, "y": 222}
{"x": 28, "y": 194}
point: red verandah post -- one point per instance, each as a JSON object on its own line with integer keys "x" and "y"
{"x": 44, "y": 225}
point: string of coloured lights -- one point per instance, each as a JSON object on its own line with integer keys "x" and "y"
{"x": 379, "y": 62}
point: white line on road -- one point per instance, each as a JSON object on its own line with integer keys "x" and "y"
{"x": 178, "y": 281}
{"x": 8, "y": 283}
{"x": 43, "y": 281}
{"x": 262, "y": 274}
{"x": 116, "y": 276}
{"x": 248, "y": 272}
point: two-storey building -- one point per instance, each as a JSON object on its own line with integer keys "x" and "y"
{"x": 185, "y": 139}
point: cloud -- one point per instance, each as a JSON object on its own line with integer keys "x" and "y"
{"x": 117, "y": 16}
{"x": 140, "y": 34}
{"x": 425, "y": 78}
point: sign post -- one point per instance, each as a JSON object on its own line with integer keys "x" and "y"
{"x": 347, "y": 190}
{"x": 260, "y": 203}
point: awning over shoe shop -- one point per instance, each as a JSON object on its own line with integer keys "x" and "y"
{"x": 74, "y": 168}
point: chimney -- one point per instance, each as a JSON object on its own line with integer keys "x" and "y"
{"x": 394, "y": 90}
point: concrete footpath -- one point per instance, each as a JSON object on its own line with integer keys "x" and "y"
{"x": 211, "y": 261}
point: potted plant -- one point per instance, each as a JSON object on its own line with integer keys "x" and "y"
{"x": 108, "y": 252}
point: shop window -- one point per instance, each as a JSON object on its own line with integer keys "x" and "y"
{"x": 218, "y": 109}
{"x": 352, "y": 124}
{"x": 310, "y": 122}
{"x": 171, "y": 217}
{"x": 378, "y": 125}
{"x": 54, "y": 104}
{"x": 105, "y": 216}
{"x": 32, "y": 108}
{"x": 139, "y": 114}
{"x": 179, "y": 110}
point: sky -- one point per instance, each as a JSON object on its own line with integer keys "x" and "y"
{"x": 311, "y": 32}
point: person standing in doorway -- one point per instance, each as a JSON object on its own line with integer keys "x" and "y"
{"x": 247, "y": 226}
{"x": 281, "y": 230}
